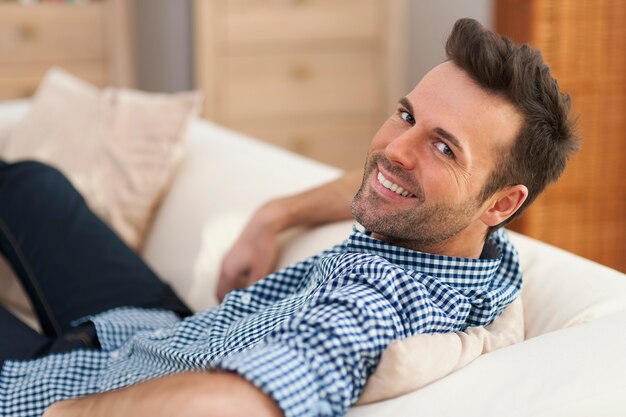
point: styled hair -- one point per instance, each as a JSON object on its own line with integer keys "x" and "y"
{"x": 517, "y": 72}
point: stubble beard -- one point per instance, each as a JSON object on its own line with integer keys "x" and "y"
{"x": 425, "y": 225}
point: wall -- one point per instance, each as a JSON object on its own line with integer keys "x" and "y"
{"x": 431, "y": 22}
{"x": 163, "y": 44}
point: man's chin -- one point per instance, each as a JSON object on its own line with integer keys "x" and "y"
{"x": 377, "y": 225}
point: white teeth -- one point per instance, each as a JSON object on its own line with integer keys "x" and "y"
{"x": 391, "y": 186}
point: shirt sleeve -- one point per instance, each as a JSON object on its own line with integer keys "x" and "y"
{"x": 318, "y": 362}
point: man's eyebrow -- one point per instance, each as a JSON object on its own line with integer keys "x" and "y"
{"x": 438, "y": 130}
{"x": 406, "y": 103}
{"x": 449, "y": 137}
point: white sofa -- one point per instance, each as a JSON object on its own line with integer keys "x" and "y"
{"x": 572, "y": 363}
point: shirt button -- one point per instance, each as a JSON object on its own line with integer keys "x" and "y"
{"x": 115, "y": 355}
{"x": 159, "y": 333}
{"x": 245, "y": 298}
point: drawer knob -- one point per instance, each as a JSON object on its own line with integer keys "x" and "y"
{"x": 301, "y": 145}
{"x": 27, "y": 32}
{"x": 28, "y": 92}
{"x": 301, "y": 73}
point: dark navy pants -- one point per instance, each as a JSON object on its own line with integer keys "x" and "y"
{"x": 68, "y": 261}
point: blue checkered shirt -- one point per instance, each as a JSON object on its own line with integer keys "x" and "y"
{"x": 309, "y": 335}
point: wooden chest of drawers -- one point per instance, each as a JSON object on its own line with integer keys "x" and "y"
{"x": 90, "y": 40}
{"x": 315, "y": 76}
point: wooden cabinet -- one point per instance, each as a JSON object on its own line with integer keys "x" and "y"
{"x": 315, "y": 76}
{"x": 90, "y": 40}
{"x": 584, "y": 43}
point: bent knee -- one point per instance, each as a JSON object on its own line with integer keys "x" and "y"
{"x": 31, "y": 174}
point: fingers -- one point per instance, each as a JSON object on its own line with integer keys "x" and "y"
{"x": 251, "y": 258}
{"x": 225, "y": 282}
{"x": 224, "y": 286}
{"x": 242, "y": 278}
{"x": 232, "y": 277}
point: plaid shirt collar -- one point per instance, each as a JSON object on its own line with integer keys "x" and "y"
{"x": 449, "y": 269}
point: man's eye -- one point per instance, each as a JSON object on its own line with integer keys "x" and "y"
{"x": 444, "y": 149}
{"x": 406, "y": 116}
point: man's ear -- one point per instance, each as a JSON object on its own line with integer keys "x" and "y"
{"x": 503, "y": 204}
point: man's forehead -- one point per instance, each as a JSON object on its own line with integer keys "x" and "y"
{"x": 450, "y": 99}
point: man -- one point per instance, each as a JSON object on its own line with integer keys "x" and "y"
{"x": 474, "y": 143}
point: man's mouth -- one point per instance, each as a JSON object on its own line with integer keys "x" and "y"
{"x": 393, "y": 187}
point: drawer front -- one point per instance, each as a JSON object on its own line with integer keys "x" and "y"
{"x": 299, "y": 84}
{"x": 17, "y": 81}
{"x": 51, "y": 33}
{"x": 270, "y": 21}
{"x": 339, "y": 141}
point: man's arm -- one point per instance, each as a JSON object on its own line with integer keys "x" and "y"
{"x": 254, "y": 254}
{"x": 188, "y": 394}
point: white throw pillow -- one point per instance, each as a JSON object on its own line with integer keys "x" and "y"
{"x": 118, "y": 147}
{"x": 414, "y": 362}
{"x": 563, "y": 290}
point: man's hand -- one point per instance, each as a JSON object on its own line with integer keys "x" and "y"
{"x": 254, "y": 254}
{"x": 189, "y": 394}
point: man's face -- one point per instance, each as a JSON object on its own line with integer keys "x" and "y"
{"x": 428, "y": 162}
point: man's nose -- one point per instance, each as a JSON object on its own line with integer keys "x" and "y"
{"x": 403, "y": 149}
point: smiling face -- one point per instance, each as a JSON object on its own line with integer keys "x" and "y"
{"x": 429, "y": 161}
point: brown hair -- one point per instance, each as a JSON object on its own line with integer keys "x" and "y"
{"x": 518, "y": 73}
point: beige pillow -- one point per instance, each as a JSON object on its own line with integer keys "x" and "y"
{"x": 118, "y": 147}
{"x": 416, "y": 361}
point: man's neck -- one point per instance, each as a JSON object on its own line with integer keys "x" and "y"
{"x": 462, "y": 245}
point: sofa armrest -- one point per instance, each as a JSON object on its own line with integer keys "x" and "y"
{"x": 572, "y": 372}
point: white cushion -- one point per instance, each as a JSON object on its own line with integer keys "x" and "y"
{"x": 576, "y": 372}
{"x": 562, "y": 290}
{"x": 412, "y": 363}
{"x": 223, "y": 178}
